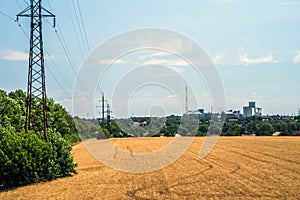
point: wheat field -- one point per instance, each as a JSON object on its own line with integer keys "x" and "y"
{"x": 237, "y": 168}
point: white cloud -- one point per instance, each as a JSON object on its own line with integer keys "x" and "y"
{"x": 216, "y": 59}
{"x": 290, "y": 3}
{"x": 155, "y": 55}
{"x": 154, "y": 62}
{"x": 108, "y": 61}
{"x": 297, "y": 58}
{"x": 177, "y": 69}
{"x": 171, "y": 96}
{"x": 15, "y": 55}
{"x": 147, "y": 94}
{"x": 267, "y": 59}
{"x": 176, "y": 65}
{"x": 167, "y": 62}
{"x": 159, "y": 54}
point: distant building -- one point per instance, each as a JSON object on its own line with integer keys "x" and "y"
{"x": 196, "y": 114}
{"x": 251, "y": 110}
{"x": 277, "y": 133}
{"x": 230, "y": 114}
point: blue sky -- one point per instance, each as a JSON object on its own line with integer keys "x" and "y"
{"x": 255, "y": 45}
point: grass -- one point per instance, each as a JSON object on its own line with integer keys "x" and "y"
{"x": 237, "y": 168}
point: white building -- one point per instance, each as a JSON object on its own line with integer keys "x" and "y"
{"x": 251, "y": 110}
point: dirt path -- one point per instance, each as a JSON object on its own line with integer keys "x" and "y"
{"x": 237, "y": 168}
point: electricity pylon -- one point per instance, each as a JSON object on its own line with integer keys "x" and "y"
{"x": 36, "y": 88}
{"x": 186, "y": 100}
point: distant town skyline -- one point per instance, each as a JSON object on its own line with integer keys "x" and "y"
{"x": 253, "y": 44}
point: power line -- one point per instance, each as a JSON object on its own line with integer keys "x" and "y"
{"x": 86, "y": 38}
{"x": 18, "y": 4}
{"x": 79, "y": 27}
{"x": 62, "y": 42}
{"x": 14, "y": 20}
{"x": 55, "y": 65}
{"x": 59, "y": 83}
{"x": 67, "y": 53}
{"x": 25, "y": 2}
{"x": 7, "y": 16}
{"x": 83, "y": 35}
{"x": 82, "y": 23}
{"x": 57, "y": 68}
{"x": 49, "y": 5}
{"x": 23, "y": 30}
{"x": 74, "y": 28}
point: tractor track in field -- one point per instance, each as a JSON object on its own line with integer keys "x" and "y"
{"x": 276, "y": 157}
{"x": 242, "y": 179}
{"x": 257, "y": 156}
{"x": 237, "y": 168}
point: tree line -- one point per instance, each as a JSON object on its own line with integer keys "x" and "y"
{"x": 193, "y": 126}
{"x": 239, "y": 126}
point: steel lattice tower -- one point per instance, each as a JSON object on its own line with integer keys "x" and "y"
{"x": 186, "y": 100}
{"x": 36, "y": 88}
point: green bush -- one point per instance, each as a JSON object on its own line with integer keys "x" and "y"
{"x": 26, "y": 158}
{"x": 62, "y": 154}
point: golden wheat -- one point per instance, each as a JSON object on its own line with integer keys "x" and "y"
{"x": 237, "y": 168}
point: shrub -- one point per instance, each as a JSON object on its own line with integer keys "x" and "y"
{"x": 26, "y": 158}
{"x": 62, "y": 155}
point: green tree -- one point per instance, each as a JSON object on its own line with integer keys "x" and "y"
{"x": 265, "y": 129}
{"x": 283, "y": 128}
{"x": 61, "y": 121}
{"x": 11, "y": 113}
{"x": 202, "y": 130}
{"x": 172, "y": 125}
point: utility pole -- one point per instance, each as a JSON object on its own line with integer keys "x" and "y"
{"x": 36, "y": 88}
{"x": 102, "y": 103}
{"x": 105, "y": 110}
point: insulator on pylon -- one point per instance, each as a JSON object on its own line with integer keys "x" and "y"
{"x": 54, "y": 22}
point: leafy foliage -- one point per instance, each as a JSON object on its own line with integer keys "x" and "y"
{"x": 172, "y": 125}
{"x": 11, "y": 113}
{"x": 238, "y": 127}
{"x": 26, "y": 157}
{"x": 61, "y": 121}
{"x": 89, "y": 128}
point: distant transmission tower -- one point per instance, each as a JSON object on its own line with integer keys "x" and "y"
{"x": 186, "y": 100}
{"x": 102, "y": 103}
{"x": 36, "y": 88}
